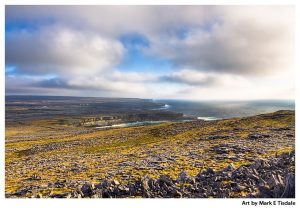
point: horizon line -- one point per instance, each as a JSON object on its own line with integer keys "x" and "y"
{"x": 171, "y": 99}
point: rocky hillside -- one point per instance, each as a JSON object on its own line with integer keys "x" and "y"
{"x": 239, "y": 157}
{"x": 272, "y": 178}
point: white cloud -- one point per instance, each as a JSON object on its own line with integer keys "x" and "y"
{"x": 64, "y": 51}
{"x": 215, "y": 51}
{"x": 240, "y": 40}
{"x": 203, "y": 79}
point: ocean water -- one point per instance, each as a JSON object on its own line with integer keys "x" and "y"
{"x": 213, "y": 110}
{"x": 130, "y": 124}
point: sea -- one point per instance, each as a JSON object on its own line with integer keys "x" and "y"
{"x": 214, "y": 110}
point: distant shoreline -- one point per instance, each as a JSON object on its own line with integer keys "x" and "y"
{"x": 97, "y": 112}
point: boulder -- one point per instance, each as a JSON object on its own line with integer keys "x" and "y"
{"x": 289, "y": 189}
{"x": 183, "y": 177}
{"x": 165, "y": 179}
{"x": 87, "y": 189}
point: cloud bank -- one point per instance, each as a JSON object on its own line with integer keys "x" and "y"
{"x": 205, "y": 50}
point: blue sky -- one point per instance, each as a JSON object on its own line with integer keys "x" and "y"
{"x": 182, "y": 52}
{"x": 136, "y": 60}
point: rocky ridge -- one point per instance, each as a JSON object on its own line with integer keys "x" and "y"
{"x": 265, "y": 178}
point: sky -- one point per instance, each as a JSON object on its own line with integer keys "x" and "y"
{"x": 159, "y": 52}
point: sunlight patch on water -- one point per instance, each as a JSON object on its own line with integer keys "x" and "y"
{"x": 137, "y": 123}
{"x": 207, "y": 118}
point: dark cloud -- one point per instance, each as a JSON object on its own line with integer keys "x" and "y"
{"x": 52, "y": 83}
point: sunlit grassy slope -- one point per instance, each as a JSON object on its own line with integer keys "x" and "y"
{"x": 56, "y": 151}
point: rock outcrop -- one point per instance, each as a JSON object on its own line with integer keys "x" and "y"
{"x": 265, "y": 178}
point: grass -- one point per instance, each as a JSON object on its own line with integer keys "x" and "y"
{"x": 54, "y": 153}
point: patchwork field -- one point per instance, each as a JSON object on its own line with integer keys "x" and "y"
{"x": 48, "y": 158}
